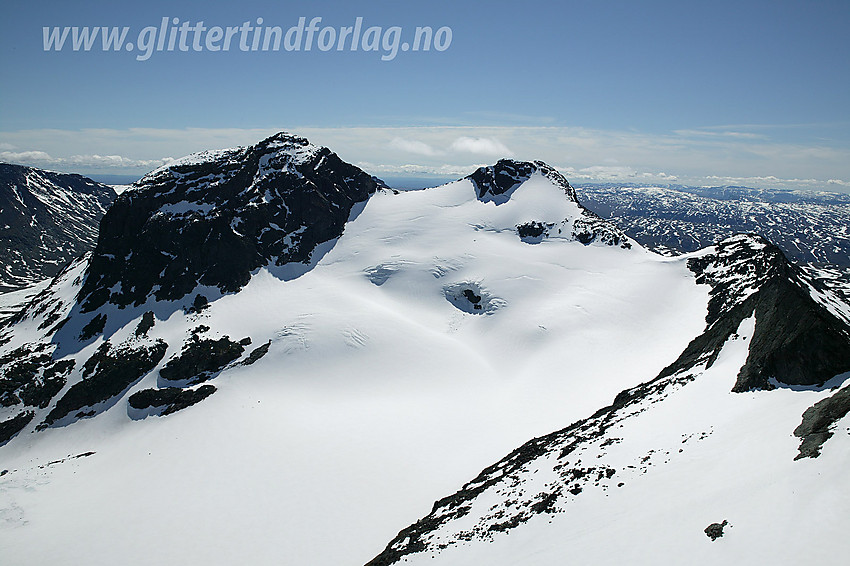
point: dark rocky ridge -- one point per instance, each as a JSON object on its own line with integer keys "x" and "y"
{"x": 505, "y": 477}
{"x": 169, "y": 399}
{"x": 210, "y": 219}
{"x": 46, "y": 220}
{"x": 107, "y": 374}
{"x": 496, "y": 183}
{"x": 30, "y": 376}
{"x": 818, "y": 421}
{"x": 201, "y": 359}
{"x": 213, "y": 218}
{"x": 797, "y": 341}
{"x": 12, "y": 426}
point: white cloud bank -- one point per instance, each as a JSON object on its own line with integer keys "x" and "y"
{"x": 684, "y": 156}
{"x": 481, "y": 146}
{"x": 92, "y": 162}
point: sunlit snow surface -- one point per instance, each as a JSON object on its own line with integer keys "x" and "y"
{"x": 379, "y": 396}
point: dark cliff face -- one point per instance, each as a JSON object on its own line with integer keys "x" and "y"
{"x": 46, "y": 220}
{"x": 209, "y": 219}
{"x": 497, "y": 182}
{"x": 214, "y": 217}
{"x": 797, "y": 340}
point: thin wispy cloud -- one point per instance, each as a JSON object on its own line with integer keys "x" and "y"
{"x": 44, "y": 160}
{"x": 720, "y": 134}
{"x": 412, "y": 146}
{"x": 481, "y": 146}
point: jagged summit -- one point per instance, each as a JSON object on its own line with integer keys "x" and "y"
{"x": 290, "y": 149}
{"x": 498, "y": 184}
{"x": 801, "y": 335}
{"x": 212, "y": 217}
{"x": 495, "y": 183}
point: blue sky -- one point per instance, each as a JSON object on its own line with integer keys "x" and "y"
{"x": 700, "y": 92}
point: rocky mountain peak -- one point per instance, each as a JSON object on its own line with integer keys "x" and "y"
{"x": 212, "y": 217}
{"x": 799, "y": 339}
{"x": 497, "y": 182}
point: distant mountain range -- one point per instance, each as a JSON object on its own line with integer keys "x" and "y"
{"x": 47, "y": 219}
{"x": 809, "y": 227}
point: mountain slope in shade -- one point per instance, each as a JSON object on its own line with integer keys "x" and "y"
{"x": 342, "y": 387}
{"x": 635, "y": 480}
{"x": 46, "y": 220}
{"x": 214, "y": 217}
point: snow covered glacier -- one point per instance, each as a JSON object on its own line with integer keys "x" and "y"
{"x": 271, "y": 357}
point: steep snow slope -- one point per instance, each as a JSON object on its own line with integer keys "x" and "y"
{"x": 639, "y": 483}
{"x": 642, "y": 479}
{"x": 46, "y": 220}
{"x": 383, "y": 386}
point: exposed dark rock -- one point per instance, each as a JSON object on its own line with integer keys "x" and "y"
{"x": 63, "y": 460}
{"x": 591, "y": 228}
{"x": 19, "y": 367}
{"x": 10, "y": 427}
{"x": 257, "y": 353}
{"x": 107, "y": 374}
{"x": 215, "y": 217}
{"x": 145, "y": 324}
{"x": 199, "y": 304}
{"x": 471, "y": 296}
{"x": 530, "y": 230}
{"x": 49, "y": 219}
{"x": 29, "y": 375}
{"x": 715, "y": 530}
{"x": 40, "y": 391}
{"x": 818, "y": 420}
{"x": 94, "y": 327}
{"x": 496, "y": 182}
{"x": 169, "y": 399}
{"x": 201, "y": 359}
{"x": 796, "y": 341}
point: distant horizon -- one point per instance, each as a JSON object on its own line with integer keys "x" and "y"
{"x": 414, "y": 182}
{"x": 662, "y": 91}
